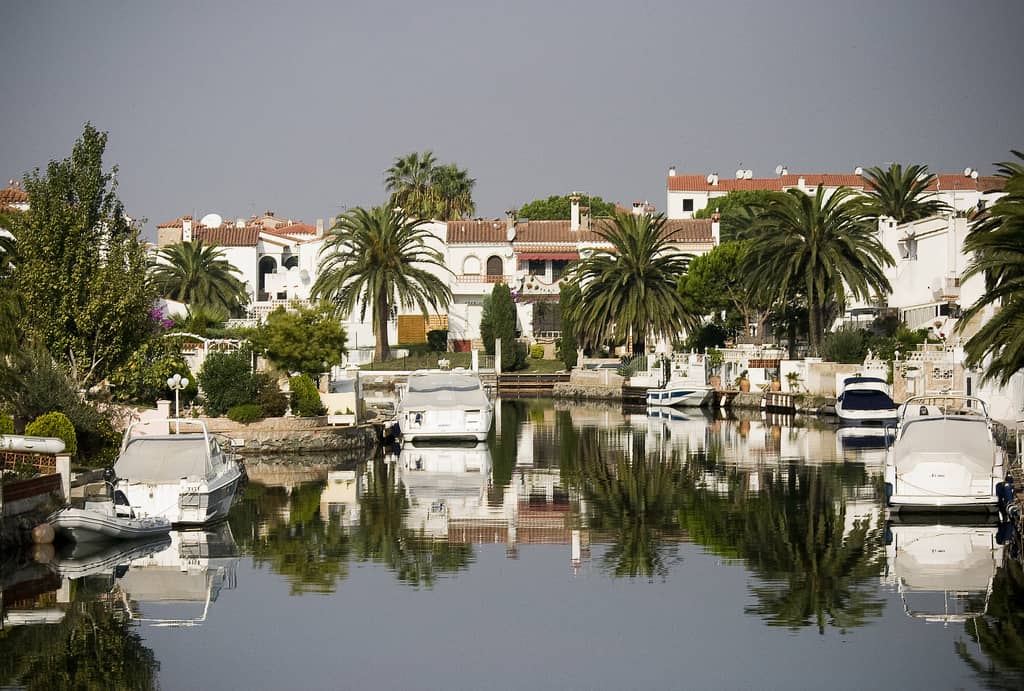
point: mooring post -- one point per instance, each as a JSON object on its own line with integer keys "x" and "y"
{"x": 64, "y": 469}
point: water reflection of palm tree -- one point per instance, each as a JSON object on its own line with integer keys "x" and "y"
{"x": 999, "y": 634}
{"x": 635, "y": 497}
{"x": 416, "y": 558}
{"x": 792, "y": 533}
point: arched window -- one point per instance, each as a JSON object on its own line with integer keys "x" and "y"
{"x": 471, "y": 265}
{"x": 495, "y": 267}
{"x": 291, "y": 262}
{"x": 268, "y": 265}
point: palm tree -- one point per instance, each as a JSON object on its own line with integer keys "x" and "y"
{"x": 425, "y": 189}
{"x": 453, "y": 192}
{"x": 629, "y": 291}
{"x": 996, "y": 240}
{"x": 380, "y": 258}
{"x": 199, "y": 276}
{"x": 900, "y": 194}
{"x": 821, "y": 247}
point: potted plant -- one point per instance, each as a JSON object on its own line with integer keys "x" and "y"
{"x": 793, "y": 379}
{"x": 714, "y": 359}
{"x": 742, "y": 383}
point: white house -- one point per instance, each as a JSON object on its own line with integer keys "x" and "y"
{"x": 687, "y": 194}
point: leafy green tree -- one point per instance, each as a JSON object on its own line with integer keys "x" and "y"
{"x": 820, "y": 247}
{"x": 305, "y": 398}
{"x": 629, "y": 292}
{"x": 143, "y": 378}
{"x": 378, "y": 258}
{"x": 309, "y": 340}
{"x": 900, "y": 193}
{"x": 55, "y": 424}
{"x": 10, "y": 298}
{"x": 32, "y": 384}
{"x": 81, "y": 267}
{"x": 715, "y": 282}
{"x": 996, "y": 241}
{"x": 737, "y": 210}
{"x": 199, "y": 276}
{"x": 845, "y": 345}
{"x": 487, "y": 325}
{"x": 227, "y": 380}
{"x": 503, "y": 318}
{"x": 559, "y": 208}
{"x": 568, "y": 295}
{"x": 424, "y": 189}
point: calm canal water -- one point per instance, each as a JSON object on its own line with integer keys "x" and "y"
{"x": 581, "y": 548}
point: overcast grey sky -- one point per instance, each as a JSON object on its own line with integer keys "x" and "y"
{"x": 239, "y": 107}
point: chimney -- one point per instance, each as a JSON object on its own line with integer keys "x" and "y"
{"x": 638, "y": 208}
{"x": 510, "y": 224}
{"x": 319, "y": 227}
{"x": 574, "y": 212}
{"x": 584, "y": 218}
{"x": 801, "y": 181}
{"x": 671, "y": 171}
{"x": 716, "y": 229}
{"x": 186, "y": 230}
{"x": 239, "y": 223}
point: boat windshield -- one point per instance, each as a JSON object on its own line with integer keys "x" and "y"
{"x": 866, "y": 400}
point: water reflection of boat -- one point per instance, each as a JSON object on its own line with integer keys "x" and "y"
{"x": 444, "y": 484}
{"x": 863, "y": 444}
{"x": 83, "y": 559}
{"x": 193, "y": 570}
{"x": 943, "y": 572}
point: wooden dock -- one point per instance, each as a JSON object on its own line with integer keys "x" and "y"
{"x": 529, "y": 384}
{"x": 779, "y": 402}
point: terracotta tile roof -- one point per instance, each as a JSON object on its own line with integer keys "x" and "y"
{"x": 228, "y": 236}
{"x": 176, "y": 223}
{"x": 957, "y": 181}
{"x": 293, "y": 229}
{"x": 13, "y": 195}
{"x": 556, "y": 234}
{"x": 699, "y": 183}
{"x": 826, "y": 179}
{"x": 473, "y": 232}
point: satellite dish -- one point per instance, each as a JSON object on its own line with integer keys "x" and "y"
{"x": 710, "y": 178}
{"x": 974, "y": 175}
{"x": 511, "y": 234}
{"x": 779, "y": 168}
{"x": 967, "y": 172}
{"x": 858, "y": 171}
{"x": 739, "y": 174}
{"x": 747, "y": 174}
{"x": 211, "y": 221}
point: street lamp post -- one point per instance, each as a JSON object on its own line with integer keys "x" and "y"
{"x": 177, "y": 383}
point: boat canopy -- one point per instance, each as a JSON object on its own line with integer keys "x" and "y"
{"x": 164, "y": 458}
{"x": 965, "y": 439}
{"x": 444, "y": 390}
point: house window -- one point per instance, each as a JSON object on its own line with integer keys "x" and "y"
{"x": 558, "y": 268}
{"x": 687, "y": 205}
{"x": 495, "y": 267}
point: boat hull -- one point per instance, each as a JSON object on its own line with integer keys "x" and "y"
{"x": 185, "y": 503}
{"x": 84, "y": 525}
{"x": 680, "y": 397}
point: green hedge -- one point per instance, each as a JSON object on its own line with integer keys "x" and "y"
{"x": 227, "y": 381}
{"x": 54, "y": 425}
{"x": 245, "y": 413}
{"x": 537, "y": 351}
{"x": 6, "y": 424}
{"x": 305, "y": 399}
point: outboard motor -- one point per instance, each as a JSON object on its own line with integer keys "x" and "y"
{"x": 1005, "y": 497}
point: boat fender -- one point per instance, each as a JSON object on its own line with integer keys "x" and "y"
{"x": 888, "y": 493}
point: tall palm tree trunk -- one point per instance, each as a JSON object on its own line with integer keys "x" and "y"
{"x": 383, "y": 312}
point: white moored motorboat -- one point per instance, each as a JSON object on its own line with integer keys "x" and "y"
{"x": 445, "y": 405}
{"x": 865, "y": 401}
{"x": 944, "y": 456}
{"x": 187, "y": 478}
{"x": 680, "y": 393}
{"x": 100, "y": 520}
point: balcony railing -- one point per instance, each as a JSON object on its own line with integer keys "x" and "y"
{"x": 482, "y": 278}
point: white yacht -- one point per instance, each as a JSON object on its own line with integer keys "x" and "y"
{"x": 865, "y": 401}
{"x": 942, "y": 572}
{"x": 188, "y": 478}
{"x": 681, "y": 392}
{"x": 944, "y": 456}
{"x": 445, "y": 405}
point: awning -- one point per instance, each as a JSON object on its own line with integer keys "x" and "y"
{"x": 549, "y": 256}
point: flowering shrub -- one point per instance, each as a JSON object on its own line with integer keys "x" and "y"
{"x": 161, "y": 320}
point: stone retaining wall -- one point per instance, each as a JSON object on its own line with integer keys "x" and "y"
{"x": 590, "y": 392}
{"x": 322, "y": 439}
